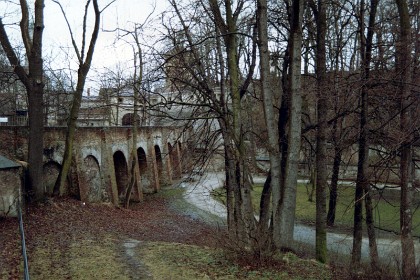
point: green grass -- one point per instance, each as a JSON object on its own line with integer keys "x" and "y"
{"x": 81, "y": 259}
{"x": 89, "y": 259}
{"x": 386, "y": 211}
{"x": 180, "y": 261}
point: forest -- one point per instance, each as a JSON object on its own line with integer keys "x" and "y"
{"x": 325, "y": 90}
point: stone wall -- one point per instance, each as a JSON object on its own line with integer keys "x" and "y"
{"x": 93, "y": 176}
{"x": 10, "y": 184}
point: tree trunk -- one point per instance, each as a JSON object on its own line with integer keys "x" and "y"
{"x": 138, "y": 78}
{"x": 278, "y": 193}
{"x": 273, "y": 180}
{"x": 265, "y": 203}
{"x": 229, "y": 189}
{"x": 362, "y": 164}
{"x": 284, "y": 225}
{"x": 83, "y": 70}
{"x": 33, "y": 81}
{"x": 334, "y": 187}
{"x": 362, "y": 181}
{"x": 406, "y": 178}
{"x": 321, "y": 138}
{"x": 238, "y": 175}
{"x": 367, "y": 58}
{"x": 357, "y": 227}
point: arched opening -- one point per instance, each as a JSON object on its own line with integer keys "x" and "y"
{"x": 141, "y": 157}
{"x": 159, "y": 162}
{"x": 128, "y": 119}
{"x": 50, "y": 173}
{"x": 145, "y": 174}
{"x": 121, "y": 171}
{"x": 92, "y": 181}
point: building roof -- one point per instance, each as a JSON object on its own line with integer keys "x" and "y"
{"x": 7, "y": 163}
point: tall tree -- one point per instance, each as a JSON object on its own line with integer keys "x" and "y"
{"x": 362, "y": 181}
{"x": 232, "y": 127}
{"x": 270, "y": 120}
{"x": 321, "y": 138}
{"x": 340, "y": 19}
{"x": 404, "y": 68}
{"x": 217, "y": 94}
{"x": 284, "y": 202}
{"x": 84, "y": 60}
{"x": 137, "y": 83}
{"x": 32, "y": 79}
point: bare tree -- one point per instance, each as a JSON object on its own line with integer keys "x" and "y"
{"x": 321, "y": 138}
{"x": 362, "y": 182}
{"x": 286, "y": 197}
{"x": 32, "y": 78}
{"x": 237, "y": 173}
{"x": 404, "y": 68}
{"x": 270, "y": 120}
{"x": 84, "y": 59}
{"x": 137, "y": 84}
{"x": 213, "y": 94}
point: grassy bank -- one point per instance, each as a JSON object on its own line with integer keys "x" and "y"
{"x": 386, "y": 207}
{"x": 180, "y": 261}
{"x": 92, "y": 260}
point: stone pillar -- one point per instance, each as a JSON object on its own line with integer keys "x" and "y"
{"x": 177, "y": 159}
{"x": 77, "y": 176}
{"x": 108, "y": 170}
{"x": 136, "y": 192}
{"x": 168, "y": 168}
{"x": 152, "y": 170}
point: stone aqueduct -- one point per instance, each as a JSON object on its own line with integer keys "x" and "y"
{"x": 101, "y": 159}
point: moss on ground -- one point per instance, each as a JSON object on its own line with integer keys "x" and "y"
{"x": 180, "y": 261}
{"x": 78, "y": 259}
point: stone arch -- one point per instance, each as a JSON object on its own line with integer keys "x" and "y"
{"x": 96, "y": 192}
{"x": 159, "y": 160}
{"x": 51, "y": 169}
{"x": 121, "y": 171}
{"x": 128, "y": 119}
{"x": 145, "y": 172}
{"x": 141, "y": 157}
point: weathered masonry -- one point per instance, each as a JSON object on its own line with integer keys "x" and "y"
{"x": 101, "y": 159}
{"x": 10, "y": 183}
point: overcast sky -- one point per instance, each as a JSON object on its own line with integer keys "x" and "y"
{"x": 108, "y": 52}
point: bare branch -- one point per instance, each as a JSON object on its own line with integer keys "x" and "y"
{"x": 73, "y": 42}
{"x": 84, "y": 30}
{"x": 24, "y": 27}
{"x": 107, "y": 5}
{"x": 95, "y": 33}
{"x": 11, "y": 55}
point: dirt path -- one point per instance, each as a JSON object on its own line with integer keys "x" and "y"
{"x": 137, "y": 269}
{"x": 54, "y": 230}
